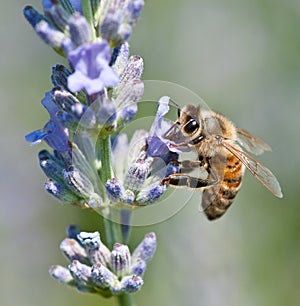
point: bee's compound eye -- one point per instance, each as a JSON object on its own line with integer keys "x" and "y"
{"x": 191, "y": 126}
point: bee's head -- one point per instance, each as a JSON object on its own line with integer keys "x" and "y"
{"x": 187, "y": 126}
{"x": 189, "y": 120}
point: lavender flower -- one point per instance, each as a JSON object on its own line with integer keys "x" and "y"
{"x": 157, "y": 144}
{"x": 117, "y": 18}
{"x": 53, "y": 133}
{"x": 150, "y": 160}
{"x": 92, "y": 71}
{"x": 72, "y": 166}
{"x": 110, "y": 273}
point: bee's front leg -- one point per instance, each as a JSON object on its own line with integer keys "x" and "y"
{"x": 184, "y": 180}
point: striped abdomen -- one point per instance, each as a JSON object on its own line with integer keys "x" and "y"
{"x": 217, "y": 199}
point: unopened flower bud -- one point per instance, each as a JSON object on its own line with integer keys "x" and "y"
{"x": 79, "y": 183}
{"x": 64, "y": 99}
{"x": 80, "y": 272}
{"x": 79, "y": 29}
{"x": 131, "y": 284}
{"x": 32, "y": 15}
{"x": 62, "y": 274}
{"x": 109, "y": 27}
{"x": 120, "y": 259}
{"x": 146, "y": 249}
{"x": 135, "y": 8}
{"x": 124, "y": 32}
{"x": 103, "y": 277}
{"x": 136, "y": 175}
{"x": 130, "y": 92}
{"x": 96, "y": 250}
{"x": 95, "y": 201}
{"x": 50, "y": 36}
{"x": 61, "y": 192}
{"x": 60, "y": 75}
{"x": 128, "y": 196}
{"x": 73, "y": 250}
{"x": 90, "y": 240}
{"x": 138, "y": 267}
{"x": 58, "y": 16}
{"x": 114, "y": 190}
{"x": 50, "y": 165}
{"x": 133, "y": 69}
{"x": 151, "y": 194}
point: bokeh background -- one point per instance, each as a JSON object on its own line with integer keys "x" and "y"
{"x": 242, "y": 58}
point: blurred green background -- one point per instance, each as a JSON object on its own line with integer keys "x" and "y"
{"x": 242, "y": 58}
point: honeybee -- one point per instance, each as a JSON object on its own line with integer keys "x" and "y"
{"x": 218, "y": 145}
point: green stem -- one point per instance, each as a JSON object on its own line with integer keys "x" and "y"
{"x": 104, "y": 151}
{"x": 112, "y": 229}
{"x": 126, "y": 300}
{"x": 111, "y": 232}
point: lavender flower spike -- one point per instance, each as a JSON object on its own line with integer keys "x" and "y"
{"x": 119, "y": 273}
{"x": 92, "y": 71}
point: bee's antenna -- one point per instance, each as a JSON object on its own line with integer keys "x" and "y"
{"x": 176, "y": 105}
{"x": 169, "y": 130}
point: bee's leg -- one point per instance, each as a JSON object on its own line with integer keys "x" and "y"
{"x": 187, "y": 166}
{"x": 184, "y": 180}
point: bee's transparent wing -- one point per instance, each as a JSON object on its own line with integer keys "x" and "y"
{"x": 251, "y": 143}
{"x": 263, "y": 174}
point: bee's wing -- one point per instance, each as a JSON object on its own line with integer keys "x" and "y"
{"x": 251, "y": 143}
{"x": 263, "y": 174}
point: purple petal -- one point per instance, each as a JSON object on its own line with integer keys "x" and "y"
{"x": 92, "y": 70}
{"x": 50, "y": 105}
{"x": 58, "y": 136}
{"x": 162, "y": 109}
{"x": 55, "y": 135}
{"x": 157, "y": 144}
{"x": 36, "y": 137}
{"x": 110, "y": 76}
{"x": 76, "y": 81}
